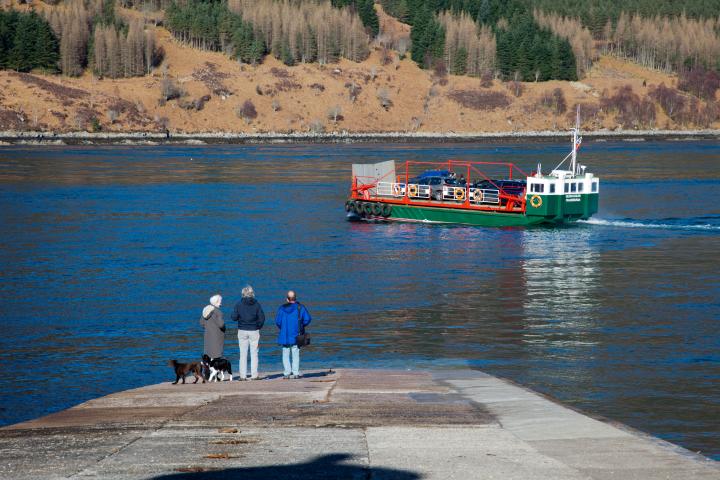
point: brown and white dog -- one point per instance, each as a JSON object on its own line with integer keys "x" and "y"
{"x": 183, "y": 369}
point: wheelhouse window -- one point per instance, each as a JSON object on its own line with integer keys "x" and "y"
{"x": 580, "y": 186}
{"x": 567, "y": 187}
{"x": 594, "y": 186}
{"x": 537, "y": 187}
{"x": 573, "y": 187}
{"x": 552, "y": 188}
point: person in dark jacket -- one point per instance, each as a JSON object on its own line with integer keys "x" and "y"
{"x": 214, "y": 326}
{"x": 288, "y": 319}
{"x": 251, "y": 318}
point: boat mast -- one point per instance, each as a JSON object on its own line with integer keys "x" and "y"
{"x": 576, "y": 142}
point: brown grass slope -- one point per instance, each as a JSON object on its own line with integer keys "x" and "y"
{"x": 381, "y": 94}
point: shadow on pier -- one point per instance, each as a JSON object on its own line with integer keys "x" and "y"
{"x": 326, "y": 467}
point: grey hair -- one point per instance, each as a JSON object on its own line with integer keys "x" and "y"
{"x": 248, "y": 292}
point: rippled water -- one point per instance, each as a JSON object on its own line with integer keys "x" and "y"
{"x": 108, "y": 254}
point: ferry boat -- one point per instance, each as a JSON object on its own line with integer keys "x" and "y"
{"x": 497, "y": 194}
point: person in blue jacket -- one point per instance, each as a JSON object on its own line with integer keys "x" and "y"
{"x": 288, "y": 320}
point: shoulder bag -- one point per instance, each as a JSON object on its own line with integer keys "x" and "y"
{"x": 303, "y": 338}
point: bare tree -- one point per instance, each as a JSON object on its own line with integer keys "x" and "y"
{"x": 169, "y": 89}
{"x": 246, "y": 111}
{"x": 383, "y": 97}
{"x": 149, "y": 51}
{"x": 334, "y": 113}
{"x": 516, "y": 88}
{"x": 666, "y": 43}
{"x": 465, "y": 37}
{"x": 99, "y": 52}
{"x": 353, "y": 90}
{"x": 114, "y": 57}
{"x": 163, "y": 123}
{"x": 317, "y": 127}
{"x": 571, "y": 29}
{"x": 486, "y": 79}
{"x": 306, "y": 31}
{"x": 416, "y": 123}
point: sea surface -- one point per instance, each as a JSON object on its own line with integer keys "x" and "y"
{"x": 109, "y": 254}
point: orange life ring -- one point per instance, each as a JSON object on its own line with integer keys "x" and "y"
{"x": 459, "y": 193}
{"x": 397, "y": 191}
{"x": 536, "y": 201}
{"x": 412, "y": 190}
{"x": 477, "y": 196}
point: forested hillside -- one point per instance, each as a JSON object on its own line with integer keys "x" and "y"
{"x": 415, "y": 64}
{"x": 526, "y": 40}
{"x": 542, "y": 39}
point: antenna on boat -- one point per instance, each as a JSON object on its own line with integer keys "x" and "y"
{"x": 577, "y": 140}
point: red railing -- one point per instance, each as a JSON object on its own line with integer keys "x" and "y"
{"x": 361, "y": 186}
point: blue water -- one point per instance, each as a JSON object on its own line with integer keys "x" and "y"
{"x": 108, "y": 255}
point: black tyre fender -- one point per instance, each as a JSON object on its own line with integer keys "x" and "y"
{"x": 386, "y": 210}
{"x": 368, "y": 208}
{"x": 377, "y": 209}
{"x": 348, "y": 206}
{"x": 358, "y": 207}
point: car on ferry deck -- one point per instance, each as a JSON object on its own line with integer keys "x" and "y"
{"x": 508, "y": 187}
{"x": 436, "y": 184}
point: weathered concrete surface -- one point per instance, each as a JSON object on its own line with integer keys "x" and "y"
{"x": 349, "y": 424}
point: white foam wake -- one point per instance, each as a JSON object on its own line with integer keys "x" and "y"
{"x": 635, "y": 224}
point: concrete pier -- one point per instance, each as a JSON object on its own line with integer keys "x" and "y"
{"x": 347, "y": 424}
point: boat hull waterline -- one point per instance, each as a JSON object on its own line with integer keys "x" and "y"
{"x": 549, "y": 209}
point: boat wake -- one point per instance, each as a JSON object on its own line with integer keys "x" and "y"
{"x": 667, "y": 224}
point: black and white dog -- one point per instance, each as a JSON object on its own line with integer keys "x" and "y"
{"x": 214, "y": 366}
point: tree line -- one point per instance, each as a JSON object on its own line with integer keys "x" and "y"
{"x": 469, "y": 48}
{"x": 524, "y": 49}
{"x": 528, "y": 52}
{"x": 595, "y": 14}
{"x": 305, "y": 31}
{"x": 115, "y": 54}
{"x": 210, "y": 25}
{"x": 668, "y": 43}
{"x": 533, "y": 36}
{"x": 292, "y": 31}
{"x": 365, "y": 10}
{"x": 27, "y": 42}
{"x": 571, "y": 29}
{"x": 92, "y": 36}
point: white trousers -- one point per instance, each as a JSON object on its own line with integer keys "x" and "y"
{"x": 251, "y": 339}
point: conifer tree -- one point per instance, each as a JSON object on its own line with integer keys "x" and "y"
{"x": 45, "y": 51}
{"x": 368, "y": 15}
{"x": 484, "y": 12}
{"x": 286, "y": 54}
{"x": 460, "y": 62}
{"x": 20, "y": 58}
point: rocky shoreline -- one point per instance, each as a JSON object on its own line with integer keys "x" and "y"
{"x": 203, "y": 138}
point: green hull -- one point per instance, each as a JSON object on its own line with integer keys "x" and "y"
{"x": 562, "y": 208}
{"x": 550, "y": 209}
{"x": 461, "y": 217}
